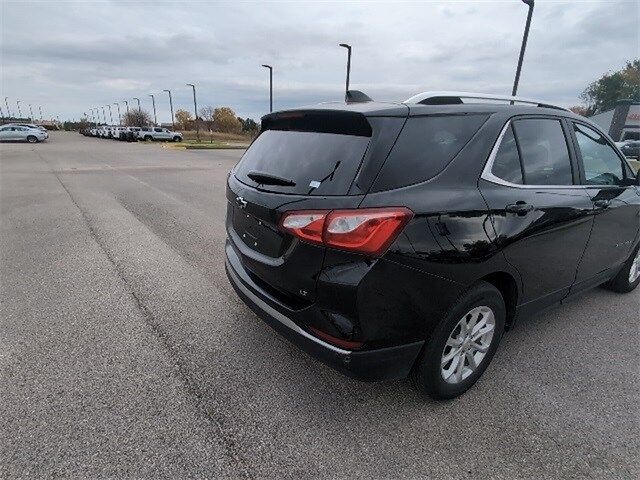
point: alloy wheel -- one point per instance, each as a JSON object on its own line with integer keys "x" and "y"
{"x": 634, "y": 271}
{"x": 468, "y": 344}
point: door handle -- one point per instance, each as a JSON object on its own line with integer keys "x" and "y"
{"x": 519, "y": 208}
{"x": 601, "y": 204}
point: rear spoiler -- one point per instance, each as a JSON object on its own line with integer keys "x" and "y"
{"x": 341, "y": 122}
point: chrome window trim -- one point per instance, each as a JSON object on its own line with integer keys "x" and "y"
{"x": 490, "y": 177}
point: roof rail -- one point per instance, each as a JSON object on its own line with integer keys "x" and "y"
{"x": 448, "y": 98}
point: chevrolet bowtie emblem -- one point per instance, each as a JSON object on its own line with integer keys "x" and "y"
{"x": 241, "y": 202}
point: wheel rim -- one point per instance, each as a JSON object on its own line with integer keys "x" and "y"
{"x": 468, "y": 344}
{"x": 634, "y": 271}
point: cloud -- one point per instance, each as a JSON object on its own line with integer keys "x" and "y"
{"x": 84, "y": 54}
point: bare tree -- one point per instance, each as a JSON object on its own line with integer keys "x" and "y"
{"x": 207, "y": 114}
{"x": 136, "y": 118}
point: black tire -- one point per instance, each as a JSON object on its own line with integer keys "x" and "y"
{"x": 148, "y": 138}
{"x": 426, "y": 374}
{"x": 622, "y": 283}
{"x": 32, "y": 139}
{"x": 177, "y": 139}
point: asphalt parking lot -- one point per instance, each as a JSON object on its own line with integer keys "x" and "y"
{"x": 124, "y": 352}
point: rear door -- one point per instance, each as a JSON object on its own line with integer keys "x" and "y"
{"x": 610, "y": 184}
{"x": 301, "y": 161}
{"x": 541, "y": 214}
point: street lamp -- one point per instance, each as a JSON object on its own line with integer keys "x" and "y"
{"x": 126, "y": 104}
{"x": 40, "y": 108}
{"x": 119, "y": 117}
{"x": 19, "y": 112}
{"x": 523, "y": 46}
{"x": 110, "y": 116}
{"x": 173, "y": 125}
{"x": 137, "y": 100}
{"x": 348, "y": 47}
{"x": 6, "y": 102}
{"x": 155, "y": 117}
{"x": 195, "y": 106}
{"x": 31, "y": 113}
{"x": 104, "y": 116}
{"x": 270, "y": 87}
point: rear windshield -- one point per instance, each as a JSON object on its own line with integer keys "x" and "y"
{"x": 425, "y": 146}
{"x": 302, "y": 162}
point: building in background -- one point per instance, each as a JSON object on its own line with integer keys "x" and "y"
{"x": 621, "y": 122}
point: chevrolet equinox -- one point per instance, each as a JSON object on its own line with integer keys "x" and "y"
{"x": 402, "y": 239}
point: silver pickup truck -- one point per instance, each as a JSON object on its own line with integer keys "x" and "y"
{"x": 159, "y": 133}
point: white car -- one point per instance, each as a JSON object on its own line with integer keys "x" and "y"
{"x": 29, "y": 125}
{"x": 159, "y": 133}
{"x": 118, "y": 132}
{"x": 16, "y": 133}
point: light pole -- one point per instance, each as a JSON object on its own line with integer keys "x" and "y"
{"x": 6, "y": 102}
{"x": 270, "y": 87}
{"x": 523, "y": 46}
{"x": 153, "y": 102}
{"x": 137, "y": 100}
{"x": 126, "y": 104}
{"x": 1, "y": 113}
{"x": 110, "y": 116}
{"x": 31, "y": 113}
{"x": 348, "y": 47}
{"x": 40, "y": 108}
{"x": 104, "y": 115}
{"x": 19, "y": 112}
{"x": 173, "y": 124}
{"x": 119, "y": 117}
{"x": 195, "y": 106}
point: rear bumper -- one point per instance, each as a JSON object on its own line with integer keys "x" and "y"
{"x": 369, "y": 365}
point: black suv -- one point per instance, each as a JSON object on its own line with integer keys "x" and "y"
{"x": 403, "y": 239}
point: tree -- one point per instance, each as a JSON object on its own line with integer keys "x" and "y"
{"x": 207, "y": 114}
{"x": 602, "y": 94}
{"x": 249, "y": 125}
{"x": 136, "y": 118}
{"x": 183, "y": 118}
{"x": 580, "y": 110}
{"x": 225, "y": 120}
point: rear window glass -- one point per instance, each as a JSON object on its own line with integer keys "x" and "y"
{"x": 311, "y": 163}
{"x": 425, "y": 146}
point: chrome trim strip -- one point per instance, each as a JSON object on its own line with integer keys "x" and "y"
{"x": 490, "y": 177}
{"x": 286, "y": 321}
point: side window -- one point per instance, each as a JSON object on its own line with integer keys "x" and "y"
{"x": 602, "y": 166}
{"x": 507, "y": 165}
{"x": 544, "y": 152}
{"x": 157, "y": 129}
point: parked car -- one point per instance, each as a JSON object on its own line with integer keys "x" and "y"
{"x": 131, "y": 134}
{"x": 159, "y": 133}
{"x": 15, "y": 133}
{"x": 403, "y": 239}
{"x": 117, "y": 132}
{"x": 631, "y": 149}
{"x": 29, "y": 125}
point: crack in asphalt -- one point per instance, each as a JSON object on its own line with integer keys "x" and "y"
{"x": 192, "y": 390}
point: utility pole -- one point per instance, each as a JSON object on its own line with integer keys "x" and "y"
{"x": 19, "y": 112}
{"x": 155, "y": 117}
{"x": 270, "y": 87}
{"x": 104, "y": 115}
{"x": 6, "y": 102}
{"x": 126, "y": 104}
{"x": 348, "y": 47}
{"x": 40, "y": 108}
{"x": 110, "y": 116}
{"x": 173, "y": 123}
{"x": 523, "y": 46}
{"x": 31, "y": 113}
{"x": 138, "y": 100}
{"x": 119, "y": 117}
{"x": 195, "y": 106}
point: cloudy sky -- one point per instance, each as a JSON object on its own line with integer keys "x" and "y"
{"x": 71, "y": 56}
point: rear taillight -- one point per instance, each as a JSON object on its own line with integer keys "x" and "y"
{"x": 369, "y": 231}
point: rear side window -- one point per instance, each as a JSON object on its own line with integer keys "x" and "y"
{"x": 302, "y": 162}
{"x": 507, "y": 164}
{"x": 425, "y": 146}
{"x": 602, "y": 166}
{"x": 544, "y": 152}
